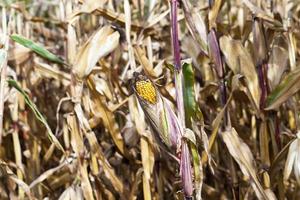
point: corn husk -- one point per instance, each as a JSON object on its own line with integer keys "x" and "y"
{"x": 161, "y": 117}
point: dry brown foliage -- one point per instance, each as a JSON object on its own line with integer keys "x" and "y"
{"x": 71, "y": 127}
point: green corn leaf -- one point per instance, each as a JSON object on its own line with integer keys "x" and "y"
{"x": 189, "y": 93}
{"x": 40, "y": 50}
{"x": 37, "y": 113}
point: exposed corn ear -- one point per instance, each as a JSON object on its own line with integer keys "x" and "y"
{"x": 158, "y": 112}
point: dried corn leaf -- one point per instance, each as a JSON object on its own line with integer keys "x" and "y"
{"x": 264, "y": 144}
{"x": 293, "y": 160}
{"x": 196, "y": 25}
{"x": 215, "y": 53}
{"x": 278, "y": 61}
{"x": 79, "y": 148}
{"x": 103, "y": 42}
{"x": 128, "y": 32}
{"x": 141, "y": 56}
{"x": 213, "y": 12}
{"x": 259, "y": 42}
{"x": 261, "y": 14}
{"x": 46, "y": 174}
{"x": 217, "y": 121}
{"x": 48, "y": 71}
{"x": 240, "y": 62}
{"x": 288, "y": 87}
{"x": 7, "y": 173}
{"x": 108, "y": 118}
{"x": 19, "y": 54}
{"x": 71, "y": 192}
{"x": 243, "y": 156}
{"x": 96, "y": 150}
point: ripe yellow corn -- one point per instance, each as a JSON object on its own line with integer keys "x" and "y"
{"x": 146, "y": 90}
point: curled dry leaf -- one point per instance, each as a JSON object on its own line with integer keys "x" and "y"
{"x": 259, "y": 42}
{"x": 18, "y": 53}
{"x": 215, "y": 53}
{"x": 71, "y": 192}
{"x": 258, "y": 12}
{"x": 293, "y": 160}
{"x": 240, "y": 62}
{"x": 102, "y": 87}
{"x": 282, "y": 92}
{"x": 278, "y": 61}
{"x": 196, "y": 25}
{"x": 99, "y": 45}
{"x": 243, "y": 156}
{"x": 213, "y": 12}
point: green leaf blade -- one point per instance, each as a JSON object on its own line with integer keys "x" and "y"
{"x": 38, "y": 49}
{"x": 189, "y": 92}
{"x": 37, "y": 113}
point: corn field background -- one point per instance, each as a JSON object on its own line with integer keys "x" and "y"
{"x": 148, "y": 99}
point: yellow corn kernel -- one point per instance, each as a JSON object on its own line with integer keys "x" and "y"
{"x": 146, "y": 90}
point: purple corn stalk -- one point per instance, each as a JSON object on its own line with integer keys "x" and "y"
{"x": 186, "y": 170}
{"x": 174, "y": 31}
{"x": 178, "y": 72}
{"x": 185, "y": 162}
{"x": 261, "y": 57}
